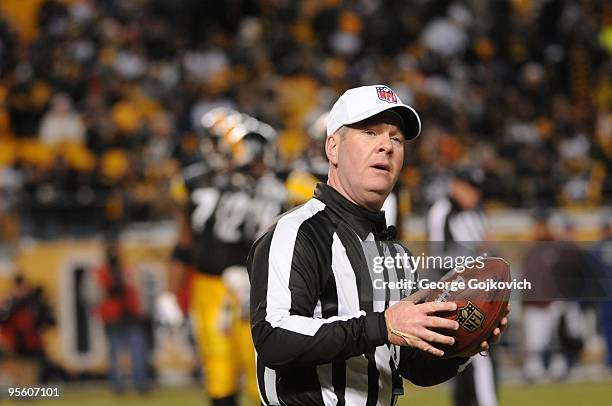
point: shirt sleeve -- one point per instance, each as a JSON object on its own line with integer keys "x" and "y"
{"x": 424, "y": 370}
{"x": 285, "y": 290}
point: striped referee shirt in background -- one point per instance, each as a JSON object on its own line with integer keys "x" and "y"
{"x": 447, "y": 221}
{"x": 462, "y": 232}
{"x": 317, "y": 322}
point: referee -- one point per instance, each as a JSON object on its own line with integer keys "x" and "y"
{"x": 320, "y": 335}
{"x": 451, "y": 221}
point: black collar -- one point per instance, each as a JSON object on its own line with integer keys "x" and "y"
{"x": 360, "y": 219}
{"x": 455, "y": 206}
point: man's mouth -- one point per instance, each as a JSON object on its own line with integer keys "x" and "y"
{"x": 382, "y": 167}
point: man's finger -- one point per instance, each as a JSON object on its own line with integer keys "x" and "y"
{"x": 424, "y": 335}
{"x": 424, "y": 346}
{"x": 416, "y": 342}
{"x": 417, "y": 297}
{"x": 434, "y": 351}
{"x": 440, "y": 322}
{"x": 495, "y": 337}
{"x": 423, "y": 339}
{"x": 433, "y": 337}
{"x": 432, "y": 307}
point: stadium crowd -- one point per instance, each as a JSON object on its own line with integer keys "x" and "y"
{"x": 101, "y": 101}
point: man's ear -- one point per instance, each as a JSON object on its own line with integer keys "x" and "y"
{"x": 331, "y": 148}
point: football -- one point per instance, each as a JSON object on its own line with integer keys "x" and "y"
{"x": 481, "y": 291}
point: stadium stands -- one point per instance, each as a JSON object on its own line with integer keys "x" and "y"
{"x": 518, "y": 88}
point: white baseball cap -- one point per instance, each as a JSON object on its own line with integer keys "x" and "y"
{"x": 363, "y": 102}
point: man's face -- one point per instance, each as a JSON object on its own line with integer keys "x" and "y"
{"x": 367, "y": 159}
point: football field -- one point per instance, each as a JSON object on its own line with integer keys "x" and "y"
{"x": 562, "y": 394}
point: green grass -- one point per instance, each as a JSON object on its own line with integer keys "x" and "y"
{"x": 564, "y": 394}
{"x": 561, "y": 394}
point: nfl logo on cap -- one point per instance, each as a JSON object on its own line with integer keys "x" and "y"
{"x": 386, "y": 94}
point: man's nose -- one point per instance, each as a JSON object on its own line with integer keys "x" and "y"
{"x": 385, "y": 144}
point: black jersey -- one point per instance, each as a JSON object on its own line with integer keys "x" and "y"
{"x": 227, "y": 212}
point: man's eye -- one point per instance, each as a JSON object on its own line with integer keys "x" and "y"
{"x": 370, "y": 132}
{"x": 397, "y": 139}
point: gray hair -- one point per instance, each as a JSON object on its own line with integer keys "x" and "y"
{"x": 342, "y": 130}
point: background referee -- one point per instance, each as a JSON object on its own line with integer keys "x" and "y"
{"x": 459, "y": 217}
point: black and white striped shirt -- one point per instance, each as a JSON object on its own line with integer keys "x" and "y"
{"x": 319, "y": 333}
{"x": 447, "y": 221}
{"x": 463, "y": 232}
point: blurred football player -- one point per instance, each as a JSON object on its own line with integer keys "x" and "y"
{"x": 230, "y": 198}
